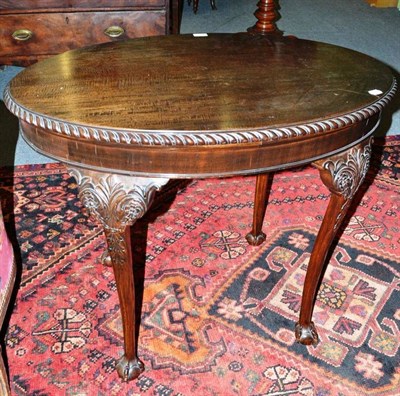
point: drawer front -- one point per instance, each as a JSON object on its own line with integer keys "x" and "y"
{"x": 56, "y": 33}
{"x": 65, "y": 4}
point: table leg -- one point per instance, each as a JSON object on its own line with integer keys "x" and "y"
{"x": 263, "y": 186}
{"x": 342, "y": 174}
{"x": 196, "y": 5}
{"x": 117, "y": 201}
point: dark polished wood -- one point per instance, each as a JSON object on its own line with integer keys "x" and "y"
{"x": 24, "y": 5}
{"x": 263, "y": 187}
{"x": 176, "y": 15}
{"x": 33, "y": 30}
{"x": 127, "y": 116}
{"x": 263, "y": 86}
{"x": 342, "y": 174}
{"x": 267, "y": 15}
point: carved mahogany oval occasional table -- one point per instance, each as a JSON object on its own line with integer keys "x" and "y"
{"x": 126, "y": 117}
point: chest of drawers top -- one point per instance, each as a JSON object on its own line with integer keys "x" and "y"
{"x": 32, "y": 30}
{"x": 18, "y": 6}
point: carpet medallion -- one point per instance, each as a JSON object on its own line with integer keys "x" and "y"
{"x": 218, "y": 315}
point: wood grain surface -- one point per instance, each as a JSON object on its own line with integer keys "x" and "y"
{"x": 219, "y": 82}
{"x": 184, "y": 106}
{"x": 24, "y": 5}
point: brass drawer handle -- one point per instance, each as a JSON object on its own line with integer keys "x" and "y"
{"x": 22, "y": 34}
{"x": 114, "y": 31}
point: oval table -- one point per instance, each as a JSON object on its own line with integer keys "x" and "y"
{"x": 126, "y": 117}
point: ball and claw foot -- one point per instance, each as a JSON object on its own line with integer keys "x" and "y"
{"x": 306, "y": 335}
{"x": 255, "y": 240}
{"x": 106, "y": 259}
{"x": 129, "y": 369}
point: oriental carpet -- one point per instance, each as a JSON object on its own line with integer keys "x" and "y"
{"x": 218, "y": 315}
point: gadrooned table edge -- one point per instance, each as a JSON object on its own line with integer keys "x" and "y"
{"x": 192, "y": 138}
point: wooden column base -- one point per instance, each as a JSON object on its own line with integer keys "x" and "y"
{"x": 267, "y": 16}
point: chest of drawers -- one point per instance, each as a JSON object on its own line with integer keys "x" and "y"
{"x": 31, "y": 29}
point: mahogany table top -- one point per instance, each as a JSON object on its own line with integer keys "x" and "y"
{"x": 172, "y": 91}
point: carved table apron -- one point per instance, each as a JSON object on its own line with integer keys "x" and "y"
{"x": 126, "y": 117}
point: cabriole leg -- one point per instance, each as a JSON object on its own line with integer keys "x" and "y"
{"x": 263, "y": 186}
{"x": 343, "y": 175}
{"x": 117, "y": 201}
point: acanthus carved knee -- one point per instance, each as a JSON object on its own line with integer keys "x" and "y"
{"x": 116, "y": 201}
{"x": 344, "y": 173}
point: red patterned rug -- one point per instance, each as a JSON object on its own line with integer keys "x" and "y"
{"x": 218, "y": 315}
